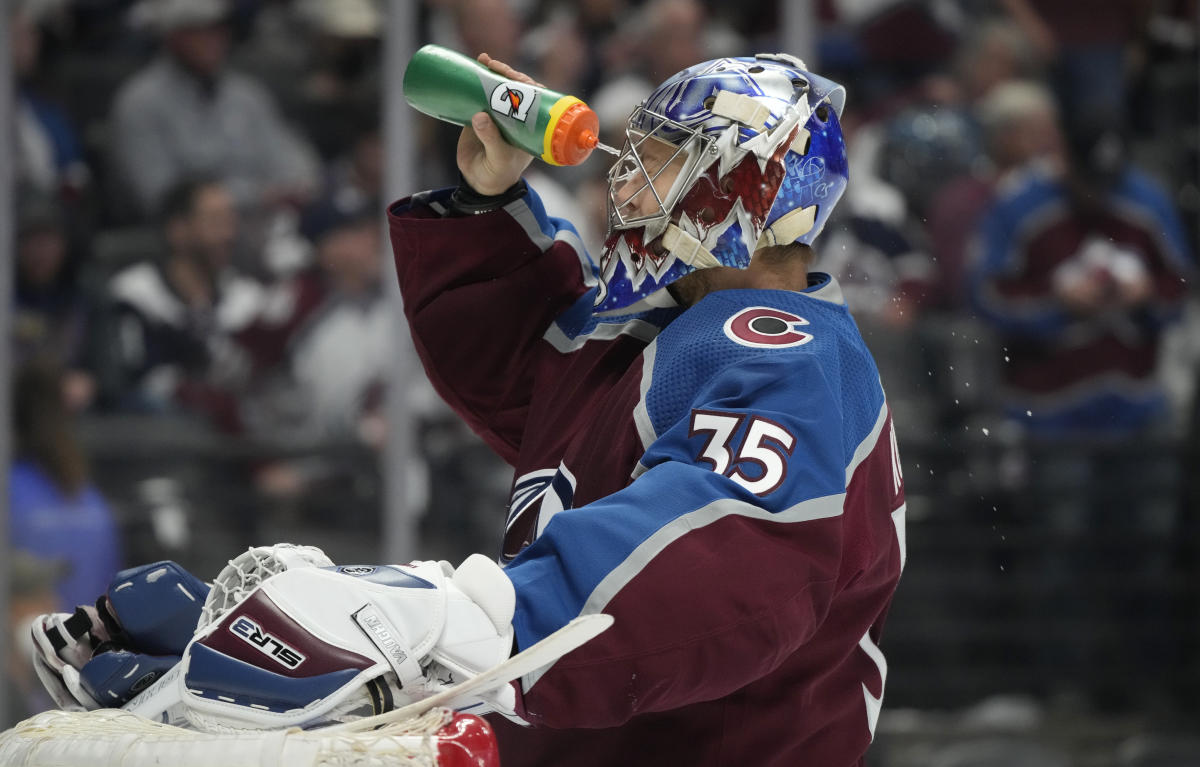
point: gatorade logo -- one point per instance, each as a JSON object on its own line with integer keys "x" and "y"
{"x": 512, "y": 100}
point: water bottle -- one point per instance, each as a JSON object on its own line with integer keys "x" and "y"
{"x": 560, "y": 129}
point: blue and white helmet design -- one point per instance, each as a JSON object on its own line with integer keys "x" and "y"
{"x": 723, "y": 158}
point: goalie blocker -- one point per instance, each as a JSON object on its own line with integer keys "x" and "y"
{"x": 303, "y": 644}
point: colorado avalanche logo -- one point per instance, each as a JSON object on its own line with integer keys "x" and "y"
{"x": 512, "y": 100}
{"x": 765, "y": 328}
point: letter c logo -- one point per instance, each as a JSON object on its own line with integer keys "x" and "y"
{"x": 762, "y": 327}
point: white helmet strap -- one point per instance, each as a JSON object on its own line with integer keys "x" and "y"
{"x": 741, "y": 108}
{"x": 789, "y": 227}
{"x": 687, "y": 248}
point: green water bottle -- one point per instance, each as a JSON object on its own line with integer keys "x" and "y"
{"x": 442, "y": 83}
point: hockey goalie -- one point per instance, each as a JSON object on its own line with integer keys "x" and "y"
{"x": 285, "y": 638}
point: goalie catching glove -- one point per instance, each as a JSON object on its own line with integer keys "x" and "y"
{"x": 329, "y": 644}
{"x": 311, "y": 643}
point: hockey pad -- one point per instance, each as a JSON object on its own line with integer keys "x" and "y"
{"x": 114, "y": 677}
{"x": 104, "y": 655}
{"x": 310, "y": 644}
{"x": 154, "y": 608}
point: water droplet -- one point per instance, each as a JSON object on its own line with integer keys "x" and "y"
{"x": 986, "y": 433}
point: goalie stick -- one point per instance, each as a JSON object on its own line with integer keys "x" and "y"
{"x": 543, "y": 653}
{"x": 162, "y": 701}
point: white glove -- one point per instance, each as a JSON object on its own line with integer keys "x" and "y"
{"x": 245, "y": 572}
{"x": 467, "y": 646}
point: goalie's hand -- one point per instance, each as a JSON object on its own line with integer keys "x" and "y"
{"x": 477, "y": 636}
{"x": 103, "y": 655}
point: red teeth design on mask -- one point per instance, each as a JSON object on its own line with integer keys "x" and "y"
{"x": 755, "y": 187}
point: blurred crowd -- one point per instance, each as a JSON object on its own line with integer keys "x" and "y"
{"x": 199, "y": 240}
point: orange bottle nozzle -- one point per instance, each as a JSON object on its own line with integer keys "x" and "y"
{"x": 590, "y": 141}
{"x": 572, "y": 134}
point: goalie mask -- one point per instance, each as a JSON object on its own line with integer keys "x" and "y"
{"x": 723, "y": 158}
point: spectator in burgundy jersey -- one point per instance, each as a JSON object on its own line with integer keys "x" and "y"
{"x": 1080, "y": 269}
{"x": 1019, "y": 123}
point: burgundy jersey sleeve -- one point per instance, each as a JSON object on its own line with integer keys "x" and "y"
{"x": 479, "y": 293}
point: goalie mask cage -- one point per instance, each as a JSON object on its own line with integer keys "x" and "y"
{"x": 115, "y": 738}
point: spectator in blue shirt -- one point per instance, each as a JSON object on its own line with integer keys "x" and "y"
{"x": 55, "y": 511}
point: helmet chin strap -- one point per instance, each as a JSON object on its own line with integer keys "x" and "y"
{"x": 789, "y": 227}
{"x": 687, "y": 248}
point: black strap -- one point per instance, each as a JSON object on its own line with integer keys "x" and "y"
{"x": 76, "y": 626}
{"x": 465, "y": 201}
{"x": 381, "y": 695}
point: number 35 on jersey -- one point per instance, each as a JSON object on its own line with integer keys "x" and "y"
{"x": 755, "y": 457}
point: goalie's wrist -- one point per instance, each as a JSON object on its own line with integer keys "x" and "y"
{"x": 465, "y": 200}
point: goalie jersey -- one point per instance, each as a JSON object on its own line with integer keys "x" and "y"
{"x": 723, "y": 480}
